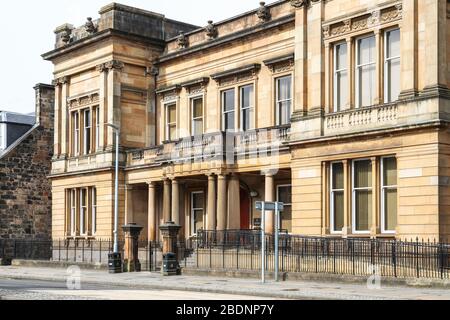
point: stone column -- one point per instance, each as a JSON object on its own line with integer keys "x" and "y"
{"x": 103, "y": 104}
{"x": 222, "y": 203}
{"x": 409, "y": 49}
{"x": 114, "y": 92}
{"x": 166, "y": 201}
{"x": 212, "y": 203}
{"x": 152, "y": 211}
{"x": 57, "y": 125}
{"x": 234, "y": 203}
{"x": 269, "y": 197}
{"x": 301, "y": 58}
{"x": 379, "y": 68}
{"x": 350, "y": 74}
{"x": 175, "y": 202}
{"x": 65, "y": 118}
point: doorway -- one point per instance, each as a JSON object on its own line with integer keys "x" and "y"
{"x": 245, "y": 209}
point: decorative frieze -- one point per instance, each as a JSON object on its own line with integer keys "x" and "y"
{"x": 281, "y": 64}
{"x": 362, "y": 22}
{"x": 196, "y": 86}
{"x": 84, "y": 100}
{"x": 237, "y": 75}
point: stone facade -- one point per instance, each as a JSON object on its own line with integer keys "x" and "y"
{"x": 284, "y": 86}
{"x": 25, "y": 190}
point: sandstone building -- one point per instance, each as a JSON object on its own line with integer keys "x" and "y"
{"x": 25, "y": 190}
{"x": 337, "y": 108}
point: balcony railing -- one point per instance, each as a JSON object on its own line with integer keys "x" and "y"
{"x": 215, "y": 146}
{"x": 361, "y": 119}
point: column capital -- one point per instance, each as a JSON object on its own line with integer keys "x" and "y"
{"x": 61, "y": 81}
{"x": 269, "y": 172}
{"x": 110, "y": 65}
{"x": 151, "y": 184}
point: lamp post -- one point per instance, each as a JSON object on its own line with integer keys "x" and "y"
{"x": 116, "y": 190}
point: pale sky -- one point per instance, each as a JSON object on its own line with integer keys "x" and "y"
{"x": 26, "y": 32}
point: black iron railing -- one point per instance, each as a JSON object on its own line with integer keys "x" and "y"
{"x": 241, "y": 250}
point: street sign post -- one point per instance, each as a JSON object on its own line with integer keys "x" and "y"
{"x": 263, "y": 207}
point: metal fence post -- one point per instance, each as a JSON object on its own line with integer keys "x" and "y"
{"x": 416, "y": 249}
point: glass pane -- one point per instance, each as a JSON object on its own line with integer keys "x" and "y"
{"x": 393, "y": 43}
{"x": 390, "y": 209}
{"x": 341, "y": 90}
{"x": 197, "y": 108}
{"x": 247, "y": 116}
{"x": 87, "y": 118}
{"x": 285, "y": 112}
{"x": 197, "y": 127}
{"x": 341, "y": 56}
{"x": 363, "y": 174}
{"x": 338, "y": 176}
{"x": 229, "y": 121}
{"x": 366, "y": 52}
{"x": 366, "y": 85}
{"x": 197, "y": 199}
{"x": 172, "y": 132}
{"x": 393, "y": 78}
{"x": 285, "y": 194}
{"x": 198, "y": 220}
{"x": 338, "y": 209}
{"x": 172, "y": 113}
{"x": 228, "y": 100}
{"x": 363, "y": 207}
{"x": 286, "y": 220}
{"x": 284, "y": 88}
{"x": 389, "y": 172}
{"x": 247, "y": 96}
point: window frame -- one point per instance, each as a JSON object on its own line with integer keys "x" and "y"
{"x": 336, "y": 72}
{"x": 94, "y": 207}
{"x": 354, "y": 190}
{"x": 168, "y": 125}
{"x": 87, "y": 128}
{"x": 383, "y": 190}
{"x": 251, "y": 107}
{"x": 278, "y": 102}
{"x": 84, "y": 213}
{"x": 192, "y": 213}
{"x": 359, "y": 66}
{"x": 191, "y": 102}
{"x": 233, "y": 110}
{"x": 332, "y": 191}
{"x": 76, "y": 133}
{"x": 73, "y": 211}
{"x": 386, "y": 62}
{"x": 97, "y": 128}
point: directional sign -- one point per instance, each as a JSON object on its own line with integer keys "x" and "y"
{"x": 269, "y": 206}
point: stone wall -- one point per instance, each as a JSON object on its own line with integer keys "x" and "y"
{"x": 25, "y": 191}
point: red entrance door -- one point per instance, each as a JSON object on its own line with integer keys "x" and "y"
{"x": 245, "y": 210}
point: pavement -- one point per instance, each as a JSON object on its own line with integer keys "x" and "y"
{"x": 132, "y": 285}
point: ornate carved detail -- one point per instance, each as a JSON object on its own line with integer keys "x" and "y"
{"x": 391, "y": 15}
{"x": 85, "y": 100}
{"x": 299, "y": 3}
{"x": 363, "y": 21}
{"x": 61, "y": 81}
{"x": 211, "y": 30}
{"x": 66, "y": 35}
{"x": 263, "y": 12}
{"x": 182, "y": 41}
{"x": 90, "y": 27}
{"x": 110, "y": 65}
{"x": 152, "y": 71}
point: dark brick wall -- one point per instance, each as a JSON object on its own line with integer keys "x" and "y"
{"x": 25, "y": 191}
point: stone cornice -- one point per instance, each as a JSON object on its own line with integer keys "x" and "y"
{"x": 249, "y": 68}
{"x": 100, "y": 36}
{"x": 228, "y": 38}
{"x": 200, "y": 81}
{"x": 164, "y": 90}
